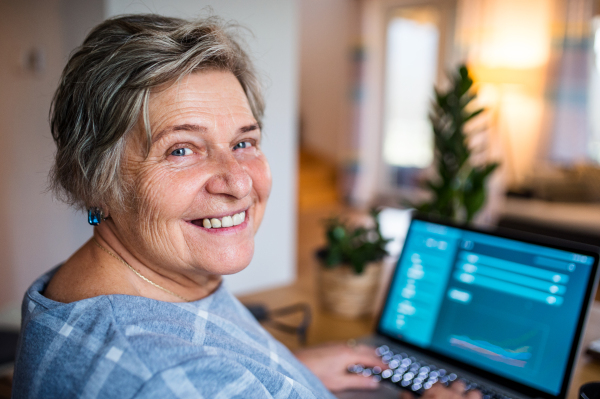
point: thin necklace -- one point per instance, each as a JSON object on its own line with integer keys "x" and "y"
{"x": 138, "y": 273}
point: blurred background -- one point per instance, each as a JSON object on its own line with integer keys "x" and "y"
{"x": 349, "y": 84}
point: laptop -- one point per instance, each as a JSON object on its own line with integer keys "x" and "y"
{"x": 504, "y": 311}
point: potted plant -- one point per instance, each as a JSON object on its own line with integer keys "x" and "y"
{"x": 458, "y": 191}
{"x": 351, "y": 265}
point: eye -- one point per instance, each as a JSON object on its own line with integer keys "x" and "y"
{"x": 180, "y": 152}
{"x": 243, "y": 144}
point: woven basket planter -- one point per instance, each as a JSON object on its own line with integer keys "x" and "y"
{"x": 347, "y": 294}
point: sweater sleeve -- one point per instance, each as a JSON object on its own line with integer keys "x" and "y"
{"x": 214, "y": 377}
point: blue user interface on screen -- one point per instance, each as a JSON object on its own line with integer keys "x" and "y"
{"x": 505, "y": 306}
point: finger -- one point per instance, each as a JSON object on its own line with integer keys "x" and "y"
{"x": 436, "y": 391}
{"x": 364, "y": 354}
{"x": 474, "y": 394}
{"x": 351, "y": 381}
{"x": 406, "y": 395}
{"x": 459, "y": 387}
{"x": 366, "y": 360}
{"x": 364, "y": 349}
{"x": 368, "y": 352}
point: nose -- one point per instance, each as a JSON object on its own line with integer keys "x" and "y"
{"x": 229, "y": 178}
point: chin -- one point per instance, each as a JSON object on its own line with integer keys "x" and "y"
{"x": 229, "y": 260}
{"x": 232, "y": 270}
{"x": 227, "y": 269}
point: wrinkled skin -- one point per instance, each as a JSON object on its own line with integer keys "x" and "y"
{"x": 204, "y": 161}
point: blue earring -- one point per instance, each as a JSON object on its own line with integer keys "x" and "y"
{"x": 95, "y": 216}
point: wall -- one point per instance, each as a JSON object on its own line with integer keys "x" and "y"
{"x": 274, "y": 48}
{"x": 37, "y": 232}
{"x": 326, "y": 38}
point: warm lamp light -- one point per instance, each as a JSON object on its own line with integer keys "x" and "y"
{"x": 507, "y": 44}
{"x": 512, "y": 34}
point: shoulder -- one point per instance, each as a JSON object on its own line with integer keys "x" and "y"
{"x": 121, "y": 346}
{"x": 71, "y": 350}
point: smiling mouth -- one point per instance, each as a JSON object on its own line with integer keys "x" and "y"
{"x": 219, "y": 223}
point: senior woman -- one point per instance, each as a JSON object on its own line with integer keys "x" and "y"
{"x": 157, "y": 123}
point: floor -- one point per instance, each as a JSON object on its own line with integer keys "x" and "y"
{"x": 317, "y": 200}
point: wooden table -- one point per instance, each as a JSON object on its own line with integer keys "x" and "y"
{"x": 327, "y": 327}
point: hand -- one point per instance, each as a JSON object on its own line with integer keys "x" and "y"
{"x": 438, "y": 391}
{"x": 330, "y": 362}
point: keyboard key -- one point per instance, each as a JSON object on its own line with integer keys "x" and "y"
{"x": 410, "y": 373}
{"x": 382, "y": 350}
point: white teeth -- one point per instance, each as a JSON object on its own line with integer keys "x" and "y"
{"x": 237, "y": 219}
{"x": 226, "y": 221}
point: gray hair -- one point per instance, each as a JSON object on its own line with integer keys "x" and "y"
{"x": 105, "y": 86}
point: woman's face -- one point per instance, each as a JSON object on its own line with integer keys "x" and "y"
{"x": 205, "y": 163}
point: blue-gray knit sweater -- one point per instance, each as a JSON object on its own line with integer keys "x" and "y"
{"x": 121, "y": 346}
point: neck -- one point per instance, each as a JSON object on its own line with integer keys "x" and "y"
{"x": 146, "y": 278}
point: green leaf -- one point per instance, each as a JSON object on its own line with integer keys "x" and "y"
{"x": 474, "y": 114}
{"x": 354, "y": 246}
{"x": 458, "y": 191}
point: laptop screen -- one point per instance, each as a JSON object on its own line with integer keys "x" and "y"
{"x": 505, "y": 306}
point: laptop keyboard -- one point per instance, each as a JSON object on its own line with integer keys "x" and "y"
{"x": 407, "y": 372}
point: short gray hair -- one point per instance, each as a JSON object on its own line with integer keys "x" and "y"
{"x": 105, "y": 86}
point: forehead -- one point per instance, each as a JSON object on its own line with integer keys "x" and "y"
{"x": 204, "y": 96}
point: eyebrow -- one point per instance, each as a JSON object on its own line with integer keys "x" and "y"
{"x": 196, "y": 128}
{"x": 249, "y": 128}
